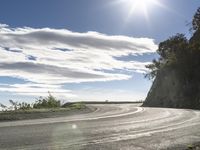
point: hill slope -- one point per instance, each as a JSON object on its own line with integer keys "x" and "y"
{"x": 177, "y": 71}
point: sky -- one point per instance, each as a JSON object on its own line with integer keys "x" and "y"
{"x": 83, "y": 50}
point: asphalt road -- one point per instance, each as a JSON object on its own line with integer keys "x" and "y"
{"x": 122, "y": 126}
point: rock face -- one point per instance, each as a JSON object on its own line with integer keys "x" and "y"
{"x": 169, "y": 90}
{"x": 177, "y": 73}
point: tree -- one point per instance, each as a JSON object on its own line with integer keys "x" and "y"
{"x": 196, "y": 20}
{"x": 154, "y": 67}
{"x": 173, "y": 52}
{"x": 173, "y": 48}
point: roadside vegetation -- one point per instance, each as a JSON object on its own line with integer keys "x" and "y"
{"x": 43, "y": 107}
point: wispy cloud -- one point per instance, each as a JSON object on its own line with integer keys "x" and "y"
{"x": 37, "y": 90}
{"x": 59, "y": 56}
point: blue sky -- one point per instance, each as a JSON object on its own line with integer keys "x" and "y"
{"x": 84, "y": 49}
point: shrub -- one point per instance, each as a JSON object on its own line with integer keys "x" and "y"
{"x": 24, "y": 106}
{"x": 47, "y": 102}
{"x": 42, "y": 102}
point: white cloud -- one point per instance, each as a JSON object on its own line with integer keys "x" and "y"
{"x": 3, "y": 25}
{"x": 59, "y": 56}
{"x": 31, "y": 89}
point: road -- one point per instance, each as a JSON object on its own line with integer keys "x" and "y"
{"x": 109, "y": 127}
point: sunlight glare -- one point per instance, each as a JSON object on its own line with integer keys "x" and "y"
{"x": 140, "y": 5}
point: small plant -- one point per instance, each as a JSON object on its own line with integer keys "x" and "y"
{"x": 24, "y": 106}
{"x": 14, "y": 105}
{"x": 78, "y": 105}
{"x": 47, "y": 102}
{"x": 190, "y": 146}
{"x": 2, "y": 106}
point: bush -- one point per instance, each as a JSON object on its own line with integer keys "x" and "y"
{"x": 47, "y": 102}
{"x": 77, "y": 105}
{"x": 41, "y": 103}
{"x": 24, "y": 106}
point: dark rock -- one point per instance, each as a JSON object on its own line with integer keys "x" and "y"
{"x": 170, "y": 90}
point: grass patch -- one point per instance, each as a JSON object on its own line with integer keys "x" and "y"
{"x": 43, "y": 112}
{"x": 78, "y": 105}
{"x": 193, "y": 146}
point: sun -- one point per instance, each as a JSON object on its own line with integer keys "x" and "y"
{"x": 140, "y": 4}
{"x": 141, "y": 7}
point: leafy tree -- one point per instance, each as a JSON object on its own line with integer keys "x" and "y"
{"x": 172, "y": 51}
{"x": 154, "y": 67}
{"x": 196, "y": 20}
{"x": 179, "y": 53}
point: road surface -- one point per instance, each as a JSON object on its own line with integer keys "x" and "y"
{"x": 109, "y": 127}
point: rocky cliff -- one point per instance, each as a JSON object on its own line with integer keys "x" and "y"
{"x": 170, "y": 90}
{"x": 177, "y": 71}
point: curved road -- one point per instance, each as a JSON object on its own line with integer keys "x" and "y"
{"x": 110, "y": 126}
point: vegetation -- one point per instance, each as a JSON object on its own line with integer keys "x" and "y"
{"x": 177, "y": 71}
{"x": 47, "y": 102}
{"x": 42, "y": 102}
{"x": 43, "y": 107}
{"x": 180, "y": 53}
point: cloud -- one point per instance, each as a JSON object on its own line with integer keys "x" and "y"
{"x": 31, "y": 89}
{"x": 48, "y": 74}
{"x": 3, "y": 25}
{"x": 59, "y": 56}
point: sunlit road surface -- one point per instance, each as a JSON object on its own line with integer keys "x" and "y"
{"x": 125, "y": 127}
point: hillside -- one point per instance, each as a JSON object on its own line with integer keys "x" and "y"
{"x": 176, "y": 73}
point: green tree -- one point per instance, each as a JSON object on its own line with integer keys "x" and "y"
{"x": 172, "y": 51}
{"x": 196, "y": 20}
